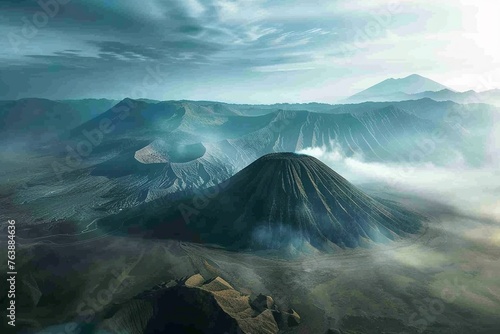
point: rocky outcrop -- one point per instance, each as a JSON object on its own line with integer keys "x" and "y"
{"x": 198, "y": 305}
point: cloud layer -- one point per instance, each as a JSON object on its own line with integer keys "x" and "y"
{"x": 471, "y": 191}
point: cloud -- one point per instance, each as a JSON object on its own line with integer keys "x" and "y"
{"x": 125, "y": 51}
{"x": 284, "y": 67}
{"x": 469, "y": 190}
{"x": 166, "y": 50}
{"x": 235, "y": 41}
{"x": 241, "y": 12}
{"x": 194, "y": 7}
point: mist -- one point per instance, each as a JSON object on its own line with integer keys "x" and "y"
{"x": 468, "y": 189}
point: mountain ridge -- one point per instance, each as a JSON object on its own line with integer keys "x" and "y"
{"x": 411, "y": 84}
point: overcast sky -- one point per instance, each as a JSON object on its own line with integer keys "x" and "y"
{"x": 252, "y": 51}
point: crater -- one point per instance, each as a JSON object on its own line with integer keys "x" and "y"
{"x": 186, "y": 153}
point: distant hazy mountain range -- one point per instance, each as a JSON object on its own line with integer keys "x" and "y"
{"x": 412, "y": 84}
{"x": 39, "y": 121}
{"x": 42, "y": 120}
{"x": 416, "y": 87}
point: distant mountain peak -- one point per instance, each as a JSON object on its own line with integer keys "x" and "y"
{"x": 412, "y": 84}
{"x": 447, "y": 90}
{"x": 415, "y": 76}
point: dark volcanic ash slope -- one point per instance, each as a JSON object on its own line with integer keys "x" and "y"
{"x": 286, "y": 199}
{"x": 281, "y": 201}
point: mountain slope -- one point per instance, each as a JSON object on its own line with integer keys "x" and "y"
{"x": 37, "y": 120}
{"x": 412, "y": 84}
{"x": 469, "y": 97}
{"x": 198, "y": 305}
{"x": 282, "y": 201}
{"x": 290, "y": 200}
{"x": 91, "y": 107}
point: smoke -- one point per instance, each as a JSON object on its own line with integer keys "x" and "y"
{"x": 470, "y": 190}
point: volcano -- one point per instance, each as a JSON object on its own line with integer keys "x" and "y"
{"x": 280, "y": 201}
{"x": 292, "y": 200}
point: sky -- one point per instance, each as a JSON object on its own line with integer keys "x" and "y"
{"x": 245, "y": 51}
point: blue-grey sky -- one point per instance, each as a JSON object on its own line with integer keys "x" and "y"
{"x": 252, "y": 51}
